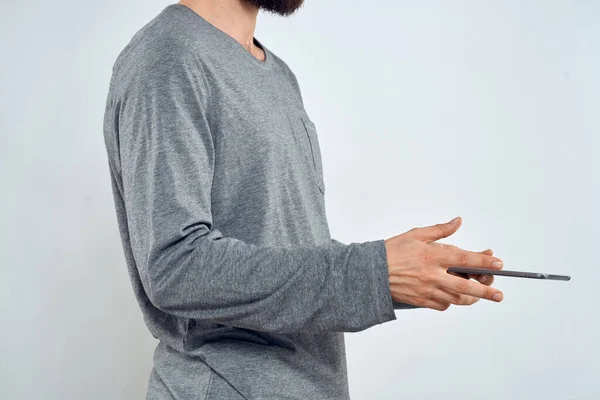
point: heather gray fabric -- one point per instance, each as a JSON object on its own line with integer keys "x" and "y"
{"x": 218, "y": 186}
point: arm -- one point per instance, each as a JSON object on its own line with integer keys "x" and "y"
{"x": 396, "y": 304}
{"x": 188, "y": 268}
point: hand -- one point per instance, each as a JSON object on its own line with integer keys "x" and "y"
{"x": 417, "y": 268}
{"x": 484, "y": 279}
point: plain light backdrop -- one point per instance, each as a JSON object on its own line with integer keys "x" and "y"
{"x": 425, "y": 110}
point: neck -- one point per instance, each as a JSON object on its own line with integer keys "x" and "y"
{"x": 234, "y": 17}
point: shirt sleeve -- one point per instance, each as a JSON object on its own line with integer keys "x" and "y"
{"x": 403, "y": 306}
{"x": 187, "y": 266}
{"x": 396, "y": 304}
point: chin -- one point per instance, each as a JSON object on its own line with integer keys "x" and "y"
{"x": 279, "y": 7}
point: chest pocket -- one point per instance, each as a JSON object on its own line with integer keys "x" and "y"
{"x": 315, "y": 152}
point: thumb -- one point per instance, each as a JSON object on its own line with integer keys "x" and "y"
{"x": 438, "y": 231}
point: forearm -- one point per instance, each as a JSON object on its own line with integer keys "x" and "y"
{"x": 273, "y": 289}
{"x": 396, "y": 304}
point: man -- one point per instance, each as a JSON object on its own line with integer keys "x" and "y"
{"x": 218, "y": 186}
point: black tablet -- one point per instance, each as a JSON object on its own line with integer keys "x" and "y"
{"x": 500, "y": 272}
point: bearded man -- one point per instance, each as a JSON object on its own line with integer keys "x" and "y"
{"x": 218, "y": 186}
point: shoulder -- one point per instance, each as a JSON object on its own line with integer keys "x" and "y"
{"x": 156, "y": 62}
{"x": 159, "y": 51}
{"x": 164, "y": 35}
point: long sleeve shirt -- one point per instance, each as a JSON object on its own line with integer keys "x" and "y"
{"x": 219, "y": 192}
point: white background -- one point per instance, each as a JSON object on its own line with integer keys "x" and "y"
{"x": 425, "y": 110}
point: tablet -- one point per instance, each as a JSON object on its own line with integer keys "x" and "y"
{"x": 500, "y": 272}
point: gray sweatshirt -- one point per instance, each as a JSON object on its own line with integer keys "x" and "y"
{"x": 218, "y": 186}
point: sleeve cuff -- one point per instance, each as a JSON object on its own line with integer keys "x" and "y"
{"x": 381, "y": 291}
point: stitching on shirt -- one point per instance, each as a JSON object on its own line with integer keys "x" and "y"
{"x": 210, "y": 379}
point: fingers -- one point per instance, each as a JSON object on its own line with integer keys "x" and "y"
{"x": 442, "y": 305}
{"x": 448, "y": 296}
{"x": 483, "y": 279}
{"x": 452, "y": 255}
{"x": 460, "y": 274}
{"x": 438, "y": 231}
{"x": 450, "y": 247}
{"x": 436, "y": 305}
{"x": 471, "y": 288}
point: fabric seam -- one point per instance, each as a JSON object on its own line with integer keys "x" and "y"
{"x": 210, "y": 379}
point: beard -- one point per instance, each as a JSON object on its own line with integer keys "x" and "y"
{"x": 280, "y": 7}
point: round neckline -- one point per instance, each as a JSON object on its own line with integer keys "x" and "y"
{"x": 266, "y": 63}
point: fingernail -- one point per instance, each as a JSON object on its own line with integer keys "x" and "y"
{"x": 498, "y": 296}
{"x": 497, "y": 264}
{"x": 455, "y": 220}
{"x": 483, "y": 279}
